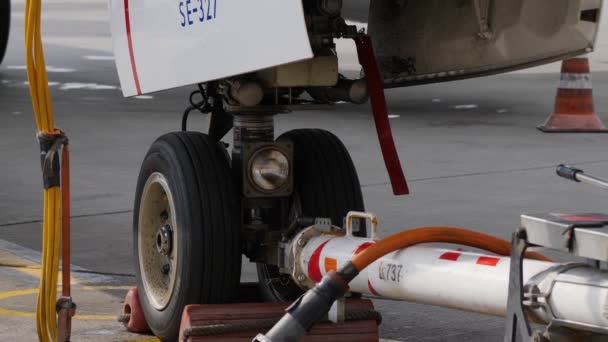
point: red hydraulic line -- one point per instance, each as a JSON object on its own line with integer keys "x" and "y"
{"x": 65, "y": 221}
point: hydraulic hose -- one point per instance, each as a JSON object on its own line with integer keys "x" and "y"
{"x": 51, "y": 140}
{"x": 452, "y": 235}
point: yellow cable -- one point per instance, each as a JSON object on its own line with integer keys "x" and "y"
{"x": 41, "y": 314}
{"x": 46, "y": 325}
{"x": 48, "y": 295}
{"x": 56, "y": 253}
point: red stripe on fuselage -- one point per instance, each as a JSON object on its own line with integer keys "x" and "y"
{"x": 130, "y": 42}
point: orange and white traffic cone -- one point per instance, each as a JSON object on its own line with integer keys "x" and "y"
{"x": 574, "y": 109}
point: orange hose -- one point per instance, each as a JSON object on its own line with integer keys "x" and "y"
{"x": 65, "y": 220}
{"x": 417, "y": 236}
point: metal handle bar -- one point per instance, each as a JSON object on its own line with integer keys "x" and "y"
{"x": 577, "y": 175}
{"x": 367, "y": 216}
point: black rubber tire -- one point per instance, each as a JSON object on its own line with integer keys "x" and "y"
{"x": 209, "y": 262}
{"x": 5, "y": 25}
{"x": 326, "y": 184}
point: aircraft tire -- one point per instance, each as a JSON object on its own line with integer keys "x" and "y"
{"x": 325, "y": 185}
{"x": 185, "y": 229}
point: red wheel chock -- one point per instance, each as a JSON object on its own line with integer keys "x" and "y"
{"x": 132, "y": 314}
{"x": 243, "y": 321}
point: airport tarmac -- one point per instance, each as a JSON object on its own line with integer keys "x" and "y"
{"x": 470, "y": 151}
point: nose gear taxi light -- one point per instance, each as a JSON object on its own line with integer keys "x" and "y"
{"x": 269, "y": 169}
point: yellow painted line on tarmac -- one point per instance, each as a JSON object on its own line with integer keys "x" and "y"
{"x": 34, "y": 270}
{"x": 8, "y": 259}
{"x": 15, "y": 293}
{"x": 17, "y": 263}
{"x": 25, "y": 292}
{"x": 103, "y": 287}
{"x": 14, "y": 313}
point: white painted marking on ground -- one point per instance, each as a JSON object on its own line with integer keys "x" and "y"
{"x": 51, "y": 83}
{"x": 144, "y": 97}
{"x": 502, "y": 111}
{"x": 16, "y": 113}
{"x": 5, "y": 81}
{"x": 86, "y": 86}
{"x": 393, "y": 116}
{"x": 466, "y": 106}
{"x": 99, "y": 58}
{"x": 49, "y": 68}
{"x": 437, "y": 100}
{"x": 385, "y": 340}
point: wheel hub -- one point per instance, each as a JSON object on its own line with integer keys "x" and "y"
{"x": 164, "y": 240}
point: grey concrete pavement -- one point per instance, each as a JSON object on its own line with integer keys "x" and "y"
{"x": 470, "y": 151}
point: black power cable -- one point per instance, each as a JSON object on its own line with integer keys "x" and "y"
{"x": 204, "y": 106}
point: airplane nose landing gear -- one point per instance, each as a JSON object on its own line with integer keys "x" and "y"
{"x": 220, "y": 206}
{"x": 196, "y": 212}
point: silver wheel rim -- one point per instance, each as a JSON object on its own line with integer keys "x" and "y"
{"x": 158, "y": 267}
